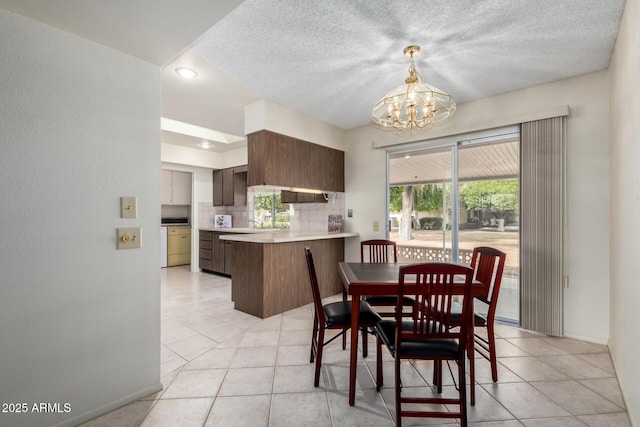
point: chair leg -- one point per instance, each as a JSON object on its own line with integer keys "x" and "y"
{"x": 492, "y": 351}
{"x": 314, "y": 340}
{"x": 365, "y": 343}
{"x": 379, "y": 375}
{"x": 344, "y": 331}
{"x": 472, "y": 369}
{"x": 463, "y": 392}
{"x": 316, "y": 380}
{"x": 437, "y": 374}
{"x": 398, "y": 390}
{"x": 344, "y": 338}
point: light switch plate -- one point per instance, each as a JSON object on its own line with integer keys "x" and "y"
{"x": 128, "y": 207}
{"x": 129, "y": 238}
{"x": 376, "y": 226}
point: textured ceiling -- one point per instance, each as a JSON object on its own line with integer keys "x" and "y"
{"x": 333, "y": 59}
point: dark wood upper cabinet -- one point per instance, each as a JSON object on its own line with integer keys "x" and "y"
{"x": 230, "y": 186}
{"x": 280, "y": 160}
{"x": 299, "y": 197}
{"x": 217, "y": 187}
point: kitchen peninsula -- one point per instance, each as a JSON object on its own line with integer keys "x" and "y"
{"x": 270, "y": 272}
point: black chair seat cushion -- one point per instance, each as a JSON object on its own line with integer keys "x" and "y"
{"x": 447, "y": 348}
{"x": 388, "y": 300}
{"x": 339, "y": 314}
{"x": 456, "y": 315}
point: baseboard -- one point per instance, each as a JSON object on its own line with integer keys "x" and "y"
{"x": 79, "y": 419}
{"x": 586, "y": 338}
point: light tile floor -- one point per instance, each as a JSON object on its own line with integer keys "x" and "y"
{"x": 221, "y": 367}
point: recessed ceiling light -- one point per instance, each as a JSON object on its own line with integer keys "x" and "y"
{"x": 187, "y": 73}
{"x": 205, "y": 144}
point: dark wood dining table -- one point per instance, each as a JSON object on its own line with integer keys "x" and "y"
{"x": 362, "y": 279}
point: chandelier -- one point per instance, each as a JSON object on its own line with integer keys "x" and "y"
{"x": 414, "y": 104}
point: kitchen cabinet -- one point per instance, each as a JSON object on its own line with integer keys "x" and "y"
{"x": 230, "y": 186}
{"x": 215, "y": 254}
{"x": 271, "y": 278}
{"x": 176, "y": 188}
{"x": 178, "y": 245}
{"x": 205, "y": 250}
{"x": 284, "y": 161}
{"x": 299, "y": 197}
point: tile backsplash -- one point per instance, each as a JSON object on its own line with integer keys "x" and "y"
{"x": 315, "y": 216}
{"x": 305, "y": 216}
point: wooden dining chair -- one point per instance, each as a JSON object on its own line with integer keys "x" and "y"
{"x": 428, "y": 335}
{"x": 381, "y": 251}
{"x": 488, "y": 265}
{"x": 378, "y": 250}
{"x": 336, "y": 315}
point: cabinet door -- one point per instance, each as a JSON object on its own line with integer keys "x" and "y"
{"x": 167, "y": 188}
{"x": 287, "y": 196}
{"x": 217, "y": 253}
{"x": 205, "y": 249}
{"x": 227, "y": 257}
{"x": 179, "y": 244}
{"x": 217, "y": 187}
{"x": 239, "y": 187}
{"x": 181, "y": 188}
{"x": 227, "y": 187}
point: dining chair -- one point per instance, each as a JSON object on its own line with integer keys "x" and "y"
{"x": 488, "y": 265}
{"x": 336, "y": 315}
{"x": 427, "y": 335}
{"x": 381, "y": 251}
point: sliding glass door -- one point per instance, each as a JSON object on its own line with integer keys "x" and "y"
{"x": 420, "y": 203}
{"x": 446, "y": 199}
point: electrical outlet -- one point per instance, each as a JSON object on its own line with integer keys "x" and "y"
{"x": 129, "y": 238}
{"x": 128, "y": 207}
{"x": 376, "y": 225}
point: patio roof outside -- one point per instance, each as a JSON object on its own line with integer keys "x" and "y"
{"x": 476, "y": 162}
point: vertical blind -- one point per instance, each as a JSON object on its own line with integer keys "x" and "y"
{"x": 542, "y": 208}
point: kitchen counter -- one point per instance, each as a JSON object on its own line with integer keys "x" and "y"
{"x": 269, "y": 270}
{"x": 285, "y": 236}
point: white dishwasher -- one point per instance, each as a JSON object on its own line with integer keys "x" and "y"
{"x": 163, "y": 246}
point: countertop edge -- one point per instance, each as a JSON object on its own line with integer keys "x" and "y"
{"x": 236, "y": 230}
{"x": 284, "y": 237}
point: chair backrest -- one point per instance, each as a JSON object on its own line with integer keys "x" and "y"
{"x": 432, "y": 285}
{"x": 315, "y": 289}
{"x": 379, "y": 250}
{"x": 488, "y": 265}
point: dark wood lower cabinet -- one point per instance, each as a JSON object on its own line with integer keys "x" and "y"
{"x": 215, "y": 254}
{"x": 270, "y": 278}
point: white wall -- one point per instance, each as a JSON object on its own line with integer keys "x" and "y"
{"x": 80, "y": 321}
{"x": 190, "y": 156}
{"x": 586, "y": 299}
{"x": 271, "y": 116}
{"x": 624, "y": 81}
{"x": 237, "y": 157}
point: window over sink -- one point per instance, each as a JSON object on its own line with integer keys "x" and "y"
{"x": 269, "y": 211}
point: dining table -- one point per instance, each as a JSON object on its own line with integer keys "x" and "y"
{"x": 362, "y": 279}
